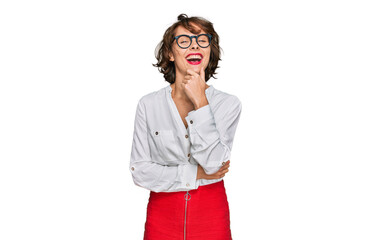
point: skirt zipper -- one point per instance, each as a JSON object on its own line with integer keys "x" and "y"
{"x": 187, "y": 197}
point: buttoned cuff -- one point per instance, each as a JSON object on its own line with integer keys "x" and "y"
{"x": 189, "y": 177}
{"x": 197, "y": 117}
{"x": 201, "y": 122}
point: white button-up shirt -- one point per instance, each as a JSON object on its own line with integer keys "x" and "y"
{"x": 165, "y": 154}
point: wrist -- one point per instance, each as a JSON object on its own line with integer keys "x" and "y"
{"x": 199, "y": 172}
{"x": 201, "y": 103}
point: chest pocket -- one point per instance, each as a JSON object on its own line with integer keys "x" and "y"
{"x": 167, "y": 146}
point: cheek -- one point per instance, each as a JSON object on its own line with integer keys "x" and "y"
{"x": 207, "y": 59}
{"x": 178, "y": 53}
{"x": 208, "y": 54}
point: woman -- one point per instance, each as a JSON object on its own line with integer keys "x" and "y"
{"x": 183, "y": 135}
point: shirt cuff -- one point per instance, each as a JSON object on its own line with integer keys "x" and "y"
{"x": 189, "y": 177}
{"x": 202, "y": 126}
{"x": 199, "y": 116}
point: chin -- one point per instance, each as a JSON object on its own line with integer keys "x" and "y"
{"x": 198, "y": 67}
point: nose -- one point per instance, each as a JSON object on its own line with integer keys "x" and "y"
{"x": 194, "y": 44}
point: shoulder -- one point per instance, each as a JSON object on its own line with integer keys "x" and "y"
{"x": 152, "y": 97}
{"x": 225, "y": 99}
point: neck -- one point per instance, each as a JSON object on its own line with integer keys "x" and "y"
{"x": 177, "y": 89}
{"x": 178, "y": 92}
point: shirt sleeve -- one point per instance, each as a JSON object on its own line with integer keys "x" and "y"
{"x": 211, "y": 141}
{"x": 152, "y": 175}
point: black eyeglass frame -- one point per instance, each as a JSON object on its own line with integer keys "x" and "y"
{"x": 190, "y": 43}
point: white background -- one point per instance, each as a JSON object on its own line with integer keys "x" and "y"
{"x": 72, "y": 72}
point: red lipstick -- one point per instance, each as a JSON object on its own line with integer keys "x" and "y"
{"x": 194, "y": 61}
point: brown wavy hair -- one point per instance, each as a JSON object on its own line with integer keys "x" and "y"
{"x": 163, "y": 49}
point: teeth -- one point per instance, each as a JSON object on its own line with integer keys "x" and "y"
{"x": 194, "y": 57}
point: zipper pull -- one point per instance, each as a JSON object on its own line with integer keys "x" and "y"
{"x": 187, "y": 196}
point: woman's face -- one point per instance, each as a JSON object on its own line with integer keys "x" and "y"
{"x": 180, "y": 55}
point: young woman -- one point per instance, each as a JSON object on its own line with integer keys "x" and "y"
{"x": 183, "y": 135}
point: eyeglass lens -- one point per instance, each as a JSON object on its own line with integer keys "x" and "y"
{"x": 185, "y": 41}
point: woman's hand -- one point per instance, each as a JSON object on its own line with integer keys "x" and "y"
{"x": 219, "y": 174}
{"x": 194, "y": 86}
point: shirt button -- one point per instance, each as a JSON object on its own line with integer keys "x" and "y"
{"x": 186, "y": 136}
{"x": 191, "y": 121}
{"x": 189, "y": 154}
{"x": 132, "y": 168}
{"x": 187, "y": 185}
{"x": 156, "y": 133}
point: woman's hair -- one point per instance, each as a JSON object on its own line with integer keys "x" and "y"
{"x": 163, "y": 49}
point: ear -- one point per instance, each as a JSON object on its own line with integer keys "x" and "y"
{"x": 171, "y": 56}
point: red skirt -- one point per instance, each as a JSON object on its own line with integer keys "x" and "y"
{"x": 200, "y": 214}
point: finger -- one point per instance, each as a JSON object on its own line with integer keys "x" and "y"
{"x": 223, "y": 172}
{"x": 225, "y": 165}
{"x": 191, "y": 72}
{"x": 227, "y": 162}
{"x": 223, "y": 169}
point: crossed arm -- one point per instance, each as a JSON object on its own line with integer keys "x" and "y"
{"x": 211, "y": 146}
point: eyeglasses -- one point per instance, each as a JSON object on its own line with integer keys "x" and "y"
{"x": 184, "y": 41}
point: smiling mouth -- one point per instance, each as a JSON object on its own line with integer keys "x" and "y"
{"x": 194, "y": 59}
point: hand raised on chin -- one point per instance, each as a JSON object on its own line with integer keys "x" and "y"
{"x": 194, "y": 86}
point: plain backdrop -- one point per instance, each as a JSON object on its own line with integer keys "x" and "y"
{"x": 72, "y": 73}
